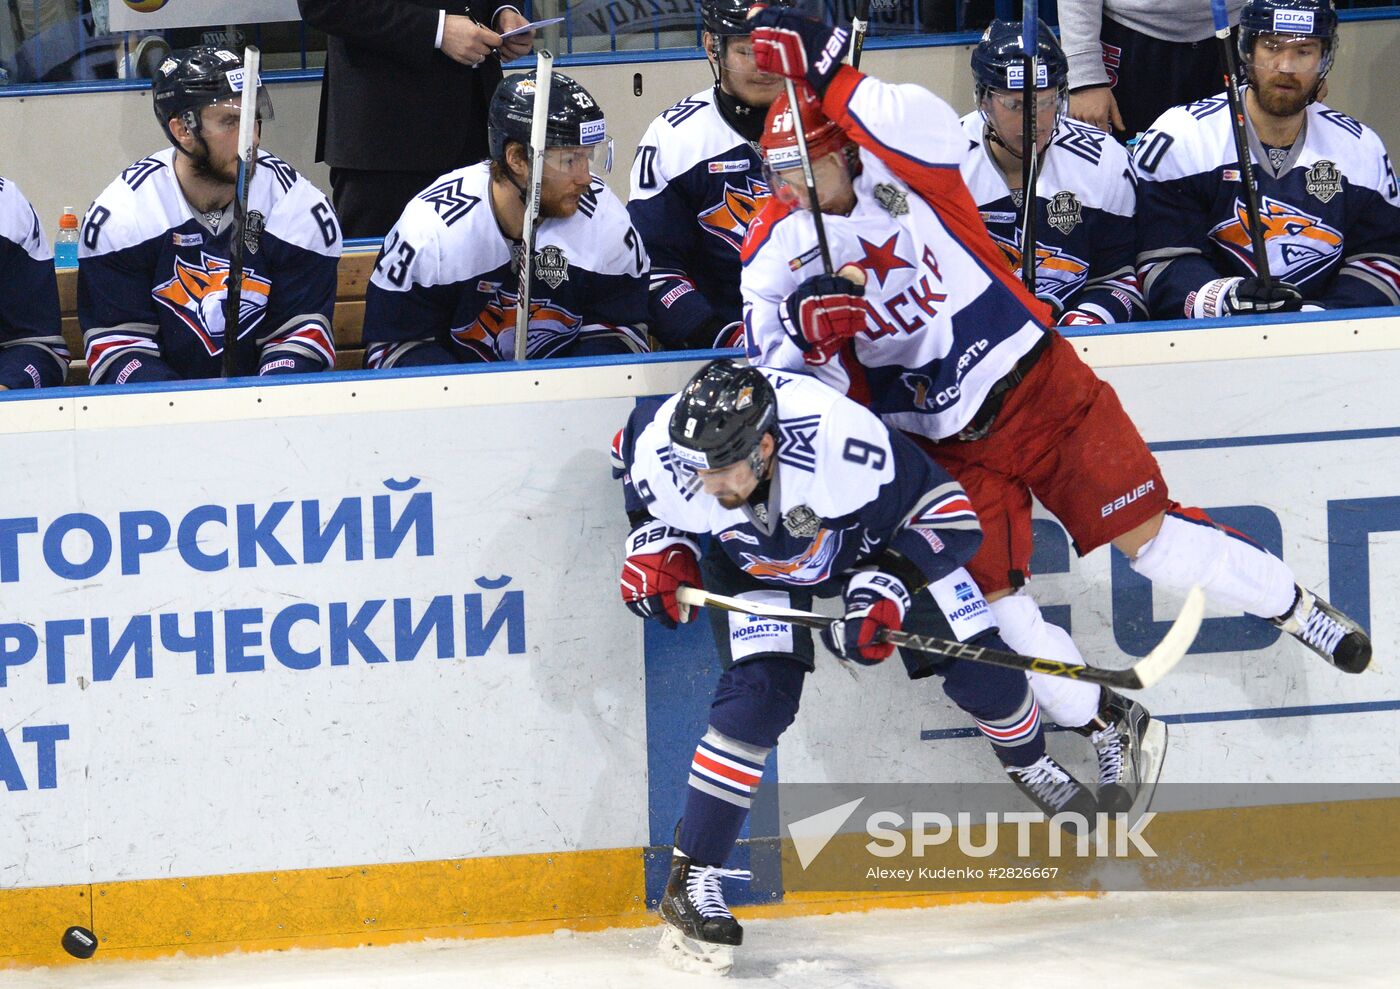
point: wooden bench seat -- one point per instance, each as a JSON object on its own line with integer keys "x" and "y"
{"x": 352, "y": 278}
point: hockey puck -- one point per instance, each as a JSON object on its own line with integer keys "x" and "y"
{"x": 80, "y": 942}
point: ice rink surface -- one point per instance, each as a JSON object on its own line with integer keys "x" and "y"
{"x": 1238, "y": 939}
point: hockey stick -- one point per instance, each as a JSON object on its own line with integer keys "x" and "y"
{"x": 859, "y": 24}
{"x": 807, "y": 175}
{"x": 539, "y": 124}
{"x": 1144, "y": 673}
{"x": 1251, "y": 195}
{"x": 233, "y": 365}
{"x": 1030, "y": 153}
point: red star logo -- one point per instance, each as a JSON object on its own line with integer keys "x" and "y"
{"x": 880, "y": 261}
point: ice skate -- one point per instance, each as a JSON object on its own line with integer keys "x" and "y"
{"x": 1054, "y": 790}
{"x": 700, "y": 933}
{"x": 1131, "y": 746}
{"x": 1327, "y": 632}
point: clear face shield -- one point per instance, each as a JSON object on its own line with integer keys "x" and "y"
{"x": 780, "y": 165}
{"x": 1003, "y": 111}
{"x": 222, "y": 117}
{"x": 1298, "y": 54}
{"x": 580, "y": 160}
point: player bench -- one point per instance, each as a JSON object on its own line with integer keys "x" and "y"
{"x": 356, "y": 266}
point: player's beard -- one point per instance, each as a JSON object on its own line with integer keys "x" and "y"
{"x": 205, "y": 168}
{"x": 1279, "y": 102}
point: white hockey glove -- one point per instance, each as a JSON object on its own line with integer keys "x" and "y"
{"x": 1243, "y": 297}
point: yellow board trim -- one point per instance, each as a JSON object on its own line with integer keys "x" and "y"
{"x": 592, "y": 890}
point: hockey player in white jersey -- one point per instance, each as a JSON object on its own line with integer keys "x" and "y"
{"x": 697, "y": 181}
{"x": 154, "y": 258}
{"x": 1085, "y": 196}
{"x": 446, "y": 284}
{"x": 803, "y": 494}
{"x": 937, "y": 337}
{"x": 32, "y": 351}
{"x": 1328, "y": 203}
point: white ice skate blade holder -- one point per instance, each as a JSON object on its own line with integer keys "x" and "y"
{"x": 699, "y": 957}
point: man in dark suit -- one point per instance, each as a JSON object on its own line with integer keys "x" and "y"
{"x": 405, "y": 95}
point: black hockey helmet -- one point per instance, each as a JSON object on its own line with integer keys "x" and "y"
{"x": 575, "y": 118}
{"x": 190, "y": 80}
{"x": 997, "y": 60}
{"x": 1298, "y": 18}
{"x": 721, "y": 417}
{"x": 730, "y": 18}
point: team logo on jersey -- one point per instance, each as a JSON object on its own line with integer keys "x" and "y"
{"x": 552, "y": 266}
{"x": 1057, "y": 272}
{"x": 492, "y": 333}
{"x": 253, "y": 225}
{"x": 812, "y": 566}
{"x": 1063, "y": 212}
{"x": 880, "y": 261}
{"x": 802, "y": 522}
{"x": 1324, "y": 181}
{"x": 894, "y": 200}
{"x": 197, "y": 292}
{"x": 1298, "y": 243}
{"x": 729, "y": 219}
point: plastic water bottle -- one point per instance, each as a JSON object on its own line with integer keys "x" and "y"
{"x": 65, "y": 245}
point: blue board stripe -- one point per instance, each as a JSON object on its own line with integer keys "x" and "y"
{"x": 1200, "y": 717}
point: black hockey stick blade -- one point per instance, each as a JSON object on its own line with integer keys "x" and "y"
{"x": 1142, "y": 674}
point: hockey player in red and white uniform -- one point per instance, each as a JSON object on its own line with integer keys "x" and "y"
{"x": 935, "y": 334}
{"x": 32, "y": 351}
{"x": 447, "y": 282}
{"x": 1328, "y": 202}
{"x": 1085, "y": 196}
{"x": 697, "y": 181}
{"x": 153, "y": 277}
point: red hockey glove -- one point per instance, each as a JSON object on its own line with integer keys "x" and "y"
{"x": 1081, "y": 317}
{"x": 659, "y": 560}
{"x": 798, "y": 47}
{"x": 822, "y": 314}
{"x": 874, "y": 601}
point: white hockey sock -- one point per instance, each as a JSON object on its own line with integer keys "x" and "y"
{"x": 1235, "y": 574}
{"x": 1070, "y": 703}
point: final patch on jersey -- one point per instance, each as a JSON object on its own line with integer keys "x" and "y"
{"x": 551, "y": 266}
{"x": 802, "y": 522}
{"x": 253, "y": 225}
{"x": 894, "y": 200}
{"x": 1063, "y": 212}
{"x": 1324, "y": 181}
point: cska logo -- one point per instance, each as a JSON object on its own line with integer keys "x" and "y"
{"x": 197, "y": 293}
{"x": 729, "y": 219}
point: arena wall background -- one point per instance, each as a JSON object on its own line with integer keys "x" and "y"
{"x": 63, "y": 149}
{"x": 341, "y": 660}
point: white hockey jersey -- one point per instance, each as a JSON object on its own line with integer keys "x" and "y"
{"x": 1086, "y": 240}
{"x": 32, "y": 351}
{"x": 153, "y": 277}
{"x": 845, "y": 489}
{"x": 446, "y": 283}
{"x": 947, "y": 319}
{"x": 696, "y": 186}
{"x": 1330, "y": 210}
